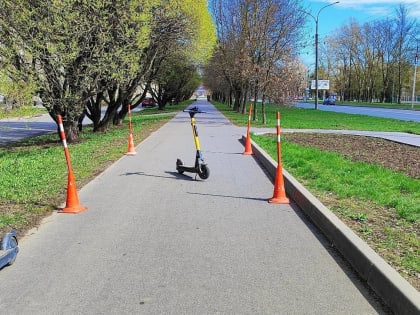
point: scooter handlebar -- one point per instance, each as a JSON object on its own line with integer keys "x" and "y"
{"x": 194, "y": 110}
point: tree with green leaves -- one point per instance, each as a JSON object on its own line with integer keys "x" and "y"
{"x": 68, "y": 47}
{"x": 183, "y": 38}
{"x": 89, "y": 54}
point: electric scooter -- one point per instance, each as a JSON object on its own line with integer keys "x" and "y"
{"x": 200, "y": 167}
{"x": 8, "y": 249}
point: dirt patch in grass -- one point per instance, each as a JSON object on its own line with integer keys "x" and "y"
{"x": 391, "y": 155}
{"x": 394, "y": 239}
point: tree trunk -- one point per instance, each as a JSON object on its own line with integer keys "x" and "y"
{"x": 244, "y": 101}
{"x": 94, "y": 109}
{"x": 72, "y": 131}
{"x": 119, "y": 117}
{"x": 115, "y": 100}
{"x": 255, "y": 118}
{"x": 237, "y": 102}
{"x": 264, "y": 115}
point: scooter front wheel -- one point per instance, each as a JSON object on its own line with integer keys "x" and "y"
{"x": 203, "y": 171}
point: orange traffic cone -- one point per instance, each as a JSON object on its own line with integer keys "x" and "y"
{"x": 72, "y": 201}
{"x": 248, "y": 147}
{"x": 279, "y": 194}
{"x": 131, "y": 150}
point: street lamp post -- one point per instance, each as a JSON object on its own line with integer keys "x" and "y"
{"x": 316, "y": 48}
{"x": 415, "y": 75}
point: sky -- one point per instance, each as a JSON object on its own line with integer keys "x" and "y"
{"x": 334, "y": 16}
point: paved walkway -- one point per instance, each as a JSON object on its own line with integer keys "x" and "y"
{"x": 156, "y": 242}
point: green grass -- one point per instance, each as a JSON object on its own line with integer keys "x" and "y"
{"x": 300, "y": 118}
{"x": 33, "y": 179}
{"x": 329, "y": 172}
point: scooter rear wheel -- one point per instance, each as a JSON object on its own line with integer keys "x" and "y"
{"x": 203, "y": 171}
{"x": 179, "y": 163}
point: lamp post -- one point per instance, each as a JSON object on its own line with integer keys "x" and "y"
{"x": 316, "y": 47}
{"x": 415, "y": 74}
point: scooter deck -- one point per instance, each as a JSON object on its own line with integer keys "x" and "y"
{"x": 189, "y": 169}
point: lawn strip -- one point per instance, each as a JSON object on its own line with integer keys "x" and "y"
{"x": 300, "y": 118}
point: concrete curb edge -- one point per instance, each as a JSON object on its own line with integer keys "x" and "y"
{"x": 388, "y": 284}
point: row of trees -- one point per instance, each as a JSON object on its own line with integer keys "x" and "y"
{"x": 79, "y": 54}
{"x": 373, "y": 61}
{"x": 256, "y": 55}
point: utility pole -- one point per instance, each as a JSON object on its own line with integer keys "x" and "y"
{"x": 316, "y": 47}
{"x": 413, "y": 95}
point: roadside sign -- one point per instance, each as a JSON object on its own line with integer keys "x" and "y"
{"x": 322, "y": 84}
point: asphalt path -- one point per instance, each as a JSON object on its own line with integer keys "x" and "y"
{"x": 399, "y": 114}
{"x": 153, "y": 241}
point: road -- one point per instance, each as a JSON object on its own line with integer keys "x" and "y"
{"x": 153, "y": 241}
{"x": 15, "y": 129}
{"x": 399, "y": 114}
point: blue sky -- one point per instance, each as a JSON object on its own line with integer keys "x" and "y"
{"x": 333, "y": 17}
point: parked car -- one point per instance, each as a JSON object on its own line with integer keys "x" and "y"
{"x": 330, "y": 100}
{"x": 148, "y": 102}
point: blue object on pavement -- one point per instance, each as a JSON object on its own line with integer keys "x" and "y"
{"x": 8, "y": 249}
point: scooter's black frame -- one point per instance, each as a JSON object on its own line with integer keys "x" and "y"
{"x": 200, "y": 167}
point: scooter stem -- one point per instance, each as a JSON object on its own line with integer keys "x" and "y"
{"x": 195, "y": 134}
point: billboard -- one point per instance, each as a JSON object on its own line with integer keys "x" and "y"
{"x": 322, "y": 85}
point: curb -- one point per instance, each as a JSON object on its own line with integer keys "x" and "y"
{"x": 385, "y": 281}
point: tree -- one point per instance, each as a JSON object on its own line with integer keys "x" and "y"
{"x": 177, "y": 79}
{"x": 404, "y": 26}
{"x": 94, "y": 53}
{"x": 257, "y": 42}
{"x": 177, "y": 27}
{"x": 371, "y": 62}
{"x": 72, "y": 48}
